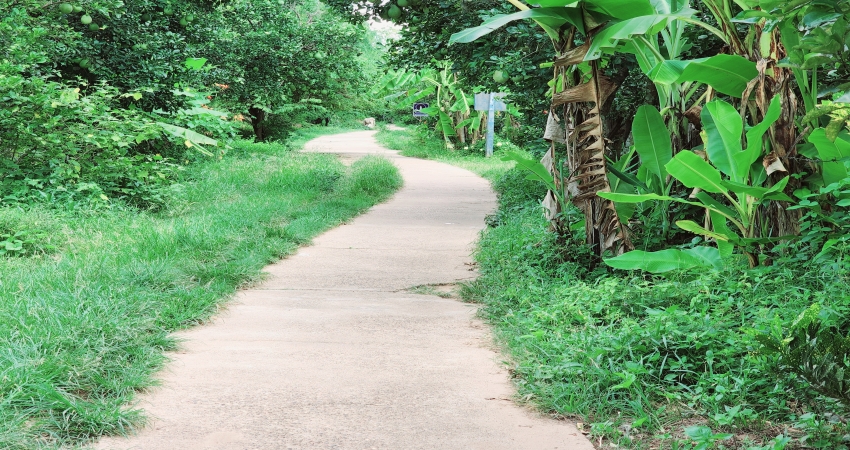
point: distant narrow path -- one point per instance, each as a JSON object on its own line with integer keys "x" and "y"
{"x": 332, "y": 353}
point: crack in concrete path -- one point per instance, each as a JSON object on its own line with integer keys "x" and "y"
{"x": 332, "y": 352}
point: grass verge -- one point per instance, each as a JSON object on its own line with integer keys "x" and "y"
{"x": 85, "y": 317}
{"x": 418, "y": 142}
{"x": 650, "y": 362}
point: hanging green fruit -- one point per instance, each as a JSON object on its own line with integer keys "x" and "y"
{"x": 94, "y": 27}
{"x": 85, "y": 20}
{"x": 500, "y": 76}
{"x": 394, "y": 12}
{"x": 66, "y": 8}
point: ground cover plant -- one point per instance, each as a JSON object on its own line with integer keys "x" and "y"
{"x": 88, "y": 298}
{"x": 650, "y": 362}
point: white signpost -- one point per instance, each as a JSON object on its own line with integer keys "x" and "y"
{"x": 490, "y": 102}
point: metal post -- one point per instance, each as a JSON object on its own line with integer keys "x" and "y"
{"x": 491, "y": 125}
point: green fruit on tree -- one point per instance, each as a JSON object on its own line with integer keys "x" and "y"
{"x": 190, "y": 18}
{"x": 394, "y": 12}
{"x": 403, "y": 3}
{"x": 444, "y": 51}
{"x": 94, "y": 27}
{"x": 66, "y": 8}
{"x": 86, "y": 19}
{"x": 324, "y": 92}
{"x": 146, "y": 17}
{"x": 500, "y": 76}
{"x": 184, "y": 22}
{"x": 78, "y": 8}
{"x": 168, "y": 11}
{"x": 85, "y": 63}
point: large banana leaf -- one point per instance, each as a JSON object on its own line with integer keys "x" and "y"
{"x": 695, "y": 172}
{"x": 626, "y": 30}
{"x": 833, "y": 154}
{"x": 713, "y": 204}
{"x": 724, "y": 126}
{"x": 550, "y": 19}
{"x": 445, "y": 124}
{"x": 536, "y": 170}
{"x": 718, "y": 223}
{"x": 772, "y": 193}
{"x": 639, "y": 198}
{"x": 619, "y": 9}
{"x": 668, "y": 260}
{"x": 619, "y": 184}
{"x": 652, "y": 141}
{"x": 755, "y": 135}
{"x": 727, "y": 74}
{"x": 413, "y": 96}
{"x": 724, "y": 235}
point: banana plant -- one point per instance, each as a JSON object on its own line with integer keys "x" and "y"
{"x": 609, "y": 26}
{"x": 450, "y": 104}
{"x": 726, "y": 180}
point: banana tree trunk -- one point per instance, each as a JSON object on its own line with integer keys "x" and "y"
{"x": 586, "y": 152}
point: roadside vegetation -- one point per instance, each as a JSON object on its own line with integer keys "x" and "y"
{"x": 418, "y": 142}
{"x": 643, "y": 361}
{"x": 684, "y": 284}
{"x": 647, "y": 361}
{"x": 88, "y": 302}
{"x": 148, "y": 170}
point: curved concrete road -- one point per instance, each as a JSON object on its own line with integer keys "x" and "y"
{"x": 333, "y": 353}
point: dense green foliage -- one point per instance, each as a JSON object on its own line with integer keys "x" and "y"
{"x": 129, "y": 208}
{"x": 86, "y": 316}
{"x": 109, "y": 101}
{"x": 640, "y": 359}
{"x": 721, "y": 156}
{"x": 761, "y": 181}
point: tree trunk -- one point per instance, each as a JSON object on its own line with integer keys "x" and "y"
{"x": 258, "y": 118}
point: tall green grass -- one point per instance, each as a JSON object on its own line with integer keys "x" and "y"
{"x": 85, "y": 317}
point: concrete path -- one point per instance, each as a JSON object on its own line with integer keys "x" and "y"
{"x": 332, "y": 352}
